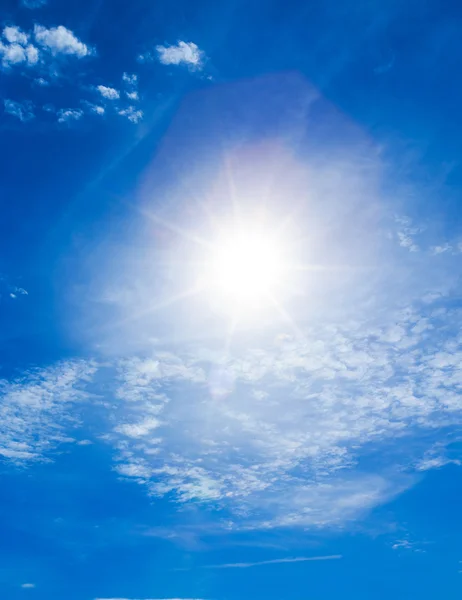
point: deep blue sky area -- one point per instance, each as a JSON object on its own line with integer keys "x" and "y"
{"x": 230, "y": 300}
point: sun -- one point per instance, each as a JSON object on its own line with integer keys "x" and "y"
{"x": 246, "y": 266}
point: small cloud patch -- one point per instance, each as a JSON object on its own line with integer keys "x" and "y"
{"x": 24, "y": 111}
{"x": 108, "y": 92}
{"x": 66, "y": 115}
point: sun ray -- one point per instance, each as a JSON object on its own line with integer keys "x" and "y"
{"x": 184, "y": 233}
{"x": 189, "y": 293}
{"x": 286, "y": 317}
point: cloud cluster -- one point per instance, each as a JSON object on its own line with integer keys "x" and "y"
{"x": 42, "y": 50}
{"x": 34, "y": 410}
{"x": 15, "y": 48}
{"x": 36, "y": 47}
{"x": 104, "y": 100}
{"x": 281, "y": 443}
{"x": 120, "y": 101}
{"x": 275, "y": 433}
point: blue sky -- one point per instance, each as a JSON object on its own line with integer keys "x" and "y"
{"x": 230, "y": 300}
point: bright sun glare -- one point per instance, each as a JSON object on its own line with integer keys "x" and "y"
{"x": 247, "y": 267}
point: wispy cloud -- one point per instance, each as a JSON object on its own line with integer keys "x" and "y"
{"x": 32, "y": 4}
{"x": 385, "y": 67}
{"x": 95, "y": 109}
{"x": 275, "y": 561}
{"x": 407, "y": 232}
{"x": 24, "y": 111}
{"x": 28, "y": 586}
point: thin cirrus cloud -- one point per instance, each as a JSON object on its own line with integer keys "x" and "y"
{"x": 32, "y": 4}
{"x": 275, "y": 561}
{"x": 24, "y": 111}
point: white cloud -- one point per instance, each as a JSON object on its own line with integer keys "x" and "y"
{"x": 136, "y": 430}
{"x": 15, "y": 54}
{"x": 12, "y": 54}
{"x": 34, "y": 410}
{"x": 24, "y": 111}
{"x": 94, "y": 108}
{"x": 108, "y": 92}
{"x": 130, "y": 79}
{"x": 436, "y": 457}
{"x": 66, "y": 115}
{"x": 132, "y": 95}
{"x": 134, "y": 115}
{"x": 32, "y": 55}
{"x": 41, "y": 82}
{"x": 446, "y": 248}
{"x": 99, "y": 110}
{"x": 28, "y": 586}
{"x": 60, "y": 40}
{"x": 14, "y": 35}
{"x": 275, "y": 561}
{"x": 406, "y": 544}
{"x": 290, "y": 455}
{"x": 16, "y": 49}
{"x": 406, "y": 233}
{"x": 186, "y": 53}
